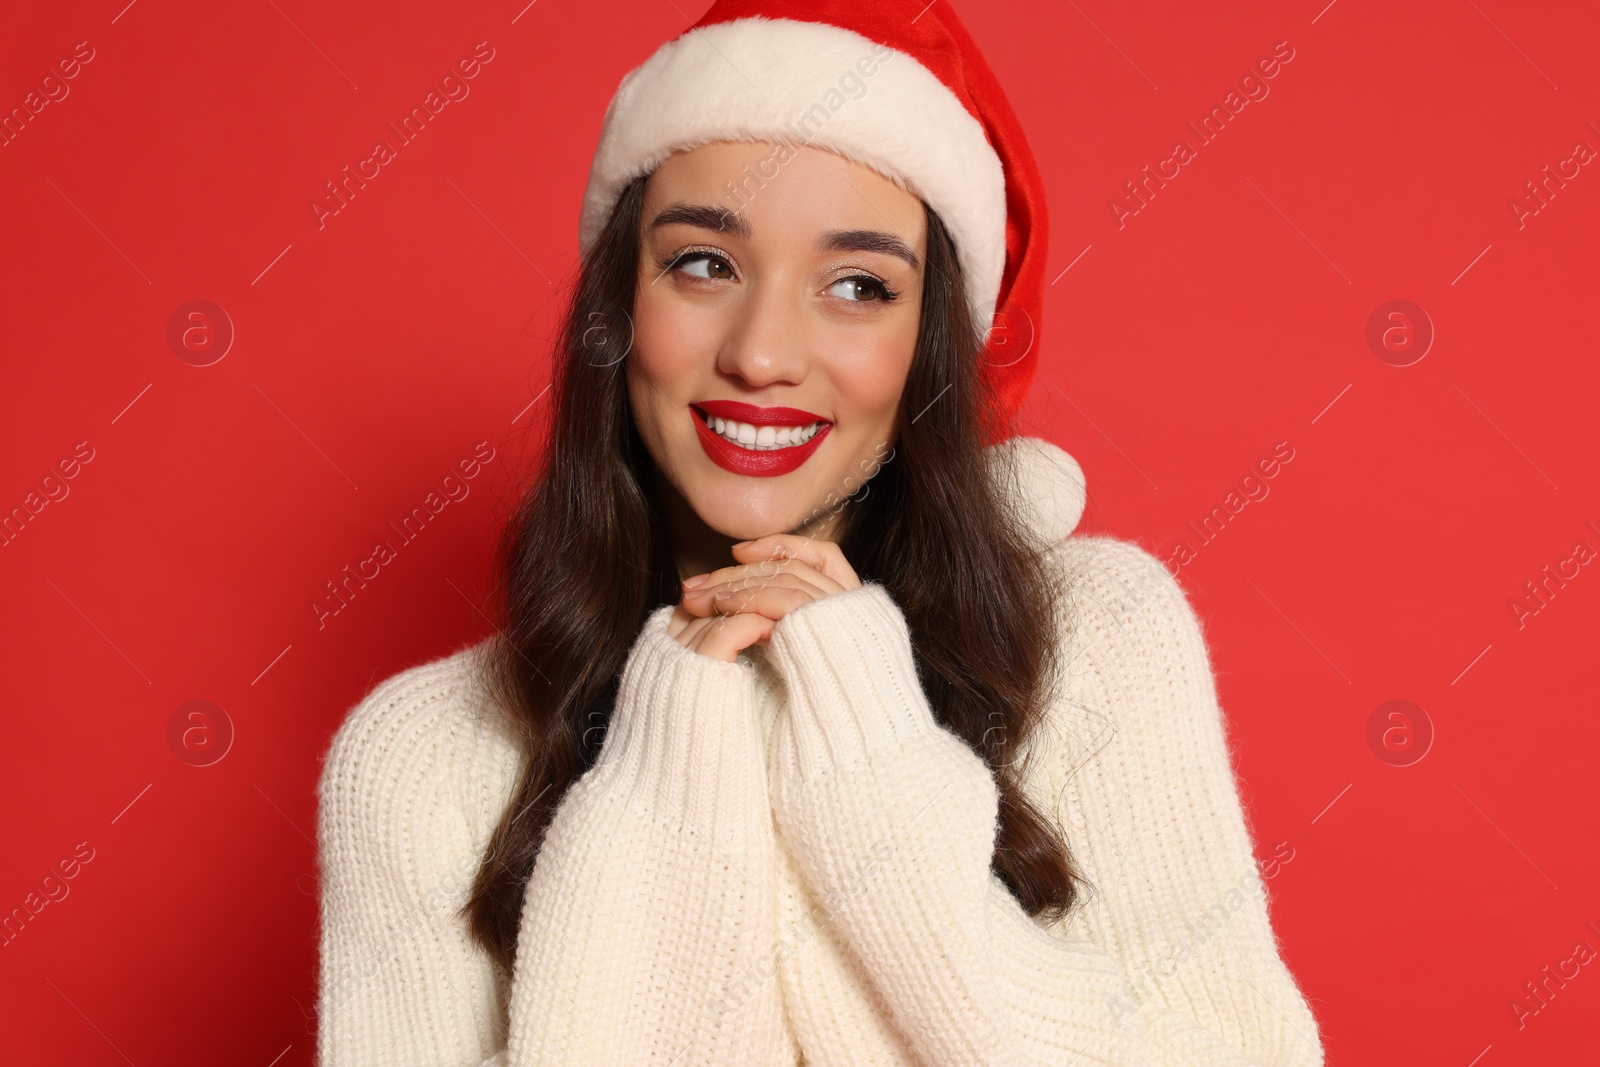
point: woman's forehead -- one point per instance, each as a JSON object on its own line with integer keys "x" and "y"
{"x": 736, "y": 186}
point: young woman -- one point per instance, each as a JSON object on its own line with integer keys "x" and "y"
{"x": 809, "y": 734}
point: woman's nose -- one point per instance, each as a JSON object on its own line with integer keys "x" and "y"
{"x": 766, "y": 342}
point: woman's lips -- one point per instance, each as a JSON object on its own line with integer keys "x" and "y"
{"x": 768, "y": 463}
{"x": 757, "y": 416}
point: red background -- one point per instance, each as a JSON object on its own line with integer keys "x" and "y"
{"x": 373, "y": 353}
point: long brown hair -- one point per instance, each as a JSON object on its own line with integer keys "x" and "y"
{"x": 587, "y": 556}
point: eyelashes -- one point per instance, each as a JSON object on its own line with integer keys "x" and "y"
{"x": 689, "y": 255}
{"x": 886, "y": 293}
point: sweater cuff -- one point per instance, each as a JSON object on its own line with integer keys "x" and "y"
{"x": 684, "y": 738}
{"x": 847, "y": 661}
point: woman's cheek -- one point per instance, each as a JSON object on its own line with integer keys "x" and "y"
{"x": 665, "y": 372}
{"x": 669, "y": 342}
{"x": 874, "y": 376}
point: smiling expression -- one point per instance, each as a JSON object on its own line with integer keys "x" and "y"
{"x": 771, "y": 344}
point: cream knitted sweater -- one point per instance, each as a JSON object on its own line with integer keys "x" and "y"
{"x": 785, "y": 860}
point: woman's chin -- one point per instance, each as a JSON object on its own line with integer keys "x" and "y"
{"x": 744, "y": 521}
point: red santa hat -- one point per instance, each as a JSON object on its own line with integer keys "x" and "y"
{"x": 898, "y": 86}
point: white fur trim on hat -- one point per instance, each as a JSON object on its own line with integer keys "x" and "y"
{"x": 784, "y": 80}
{"x": 1044, "y": 483}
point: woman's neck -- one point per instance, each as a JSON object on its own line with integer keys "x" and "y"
{"x": 700, "y": 549}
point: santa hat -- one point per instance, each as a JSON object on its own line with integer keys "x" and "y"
{"x": 898, "y": 86}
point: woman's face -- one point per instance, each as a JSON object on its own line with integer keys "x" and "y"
{"x": 792, "y": 321}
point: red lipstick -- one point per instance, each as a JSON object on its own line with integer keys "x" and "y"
{"x": 766, "y": 463}
{"x": 739, "y": 412}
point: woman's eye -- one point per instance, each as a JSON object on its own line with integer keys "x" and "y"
{"x": 856, "y": 285}
{"x": 703, "y": 264}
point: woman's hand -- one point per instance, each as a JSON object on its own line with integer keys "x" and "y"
{"x": 728, "y": 610}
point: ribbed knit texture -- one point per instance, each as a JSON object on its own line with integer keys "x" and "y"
{"x": 786, "y": 860}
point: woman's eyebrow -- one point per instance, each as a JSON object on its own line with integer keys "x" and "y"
{"x": 706, "y": 217}
{"x": 867, "y": 241}
{"x": 720, "y": 219}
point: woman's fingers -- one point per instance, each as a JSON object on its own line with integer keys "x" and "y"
{"x": 723, "y": 637}
{"x": 735, "y": 607}
{"x": 773, "y": 598}
{"x": 794, "y": 574}
{"x": 680, "y": 619}
{"x": 724, "y": 597}
{"x": 685, "y": 628}
{"x": 689, "y": 635}
{"x": 774, "y": 569}
{"x": 824, "y": 556}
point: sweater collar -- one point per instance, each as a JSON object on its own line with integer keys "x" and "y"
{"x": 1045, "y": 484}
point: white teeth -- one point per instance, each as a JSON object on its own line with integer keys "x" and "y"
{"x": 762, "y": 438}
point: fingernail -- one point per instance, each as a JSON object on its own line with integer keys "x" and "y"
{"x": 736, "y": 544}
{"x": 696, "y": 581}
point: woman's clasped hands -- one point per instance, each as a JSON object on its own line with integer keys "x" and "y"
{"x": 728, "y": 610}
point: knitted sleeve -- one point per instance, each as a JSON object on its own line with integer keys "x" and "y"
{"x": 655, "y": 885}
{"x": 1151, "y": 806}
{"x": 962, "y": 972}
{"x": 400, "y": 983}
